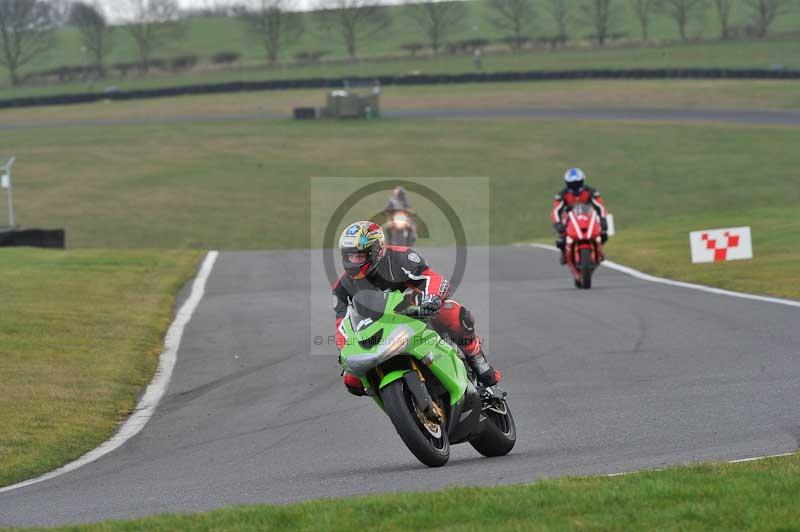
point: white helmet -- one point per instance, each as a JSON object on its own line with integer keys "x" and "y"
{"x": 574, "y": 178}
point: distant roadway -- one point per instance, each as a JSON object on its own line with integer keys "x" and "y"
{"x": 786, "y": 118}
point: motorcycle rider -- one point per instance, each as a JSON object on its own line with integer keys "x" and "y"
{"x": 576, "y": 192}
{"x": 370, "y": 264}
{"x": 398, "y": 201}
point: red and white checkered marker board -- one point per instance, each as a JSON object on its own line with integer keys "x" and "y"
{"x": 718, "y": 245}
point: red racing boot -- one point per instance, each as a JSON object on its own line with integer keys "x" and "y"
{"x": 353, "y": 384}
{"x": 487, "y": 375}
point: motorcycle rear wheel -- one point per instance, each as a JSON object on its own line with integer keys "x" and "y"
{"x": 431, "y": 447}
{"x": 500, "y": 434}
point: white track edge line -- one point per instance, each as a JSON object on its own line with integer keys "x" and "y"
{"x": 155, "y": 390}
{"x": 661, "y": 280}
{"x": 739, "y": 461}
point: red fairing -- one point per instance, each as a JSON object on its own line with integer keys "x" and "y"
{"x": 582, "y": 226}
{"x": 583, "y": 232}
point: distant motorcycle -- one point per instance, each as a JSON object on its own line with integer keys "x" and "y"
{"x": 584, "y": 247}
{"x": 401, "y": 228}
{"x": 421, "y": 381}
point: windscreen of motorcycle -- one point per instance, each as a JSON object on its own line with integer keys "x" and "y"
{"x": 366, "y": 308}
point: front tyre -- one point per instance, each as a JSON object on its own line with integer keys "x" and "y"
{"x": 586, "y": 268}
{"x": 426, "y": 439}
{"x": 499, "y": 434}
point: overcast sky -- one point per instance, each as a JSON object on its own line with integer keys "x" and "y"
{"x": 115, "y": 11}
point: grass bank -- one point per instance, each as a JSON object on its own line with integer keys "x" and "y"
{"x": 751, "y": 496}
{"x": 80, "y": 336}
{"x": 761, "y": 54}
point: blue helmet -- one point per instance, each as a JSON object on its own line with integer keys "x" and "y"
{"x": 574, "y": 178}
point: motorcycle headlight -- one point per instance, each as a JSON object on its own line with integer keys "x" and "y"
{"x": 396, "y": 342}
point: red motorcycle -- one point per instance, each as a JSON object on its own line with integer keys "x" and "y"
{"x": 584, "y": 248}
{"x": 401, "y": 229}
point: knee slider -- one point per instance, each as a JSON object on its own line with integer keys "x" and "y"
{"x": 467, "y": 321}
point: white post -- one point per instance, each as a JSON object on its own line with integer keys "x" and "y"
{"x": 6, "y": 182}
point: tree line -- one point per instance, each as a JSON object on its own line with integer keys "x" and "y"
{"x": 28, "y": 28}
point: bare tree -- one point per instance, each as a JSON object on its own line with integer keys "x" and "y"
{"x": 601, "y": 14}
{"x": 643, "y": 9}
{"x": 153, "y": 24}
{"x": 26, "y": 33}
{"x": 724, "y": 13}
{"x": 354, "y": 21}
{"x": 765, "y": 12}
{"x": 274, "y": 23}
{"x": 96, "y": 33}
{"x": 514, "y": 16}
{"x": 682, "y": 12}
{"x": 437, "y": 18}
{"x": 561, "y": 10}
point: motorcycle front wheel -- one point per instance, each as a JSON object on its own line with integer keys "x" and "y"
{"x": 586, "y": 268}
{"x": 426, "y": 439}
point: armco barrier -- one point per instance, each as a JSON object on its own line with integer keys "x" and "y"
{"x": 40, "y": 238}
{"x": 422, "y": 79}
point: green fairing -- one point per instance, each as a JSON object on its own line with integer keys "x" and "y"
{"x": 391, "y": 377}
{"x": 446, "y": 366}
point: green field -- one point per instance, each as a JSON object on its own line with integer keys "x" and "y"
{"x": 207, "y": 36}
{"x": 80, "y": 336}
{"x": 721, "y": 54}
{"x": 754, "y": 496}
{"x": 383, "y": 55}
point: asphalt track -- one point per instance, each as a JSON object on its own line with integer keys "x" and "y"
{"x": 751, "y": 117}
{"x": 628, "y": 375}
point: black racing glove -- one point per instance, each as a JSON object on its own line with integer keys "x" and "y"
{"x": 560, "y": 228}
{"x": 430, "y": 305}
{"x": 604, "y": 237}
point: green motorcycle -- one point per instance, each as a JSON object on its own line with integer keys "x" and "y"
{"x": 421, "y": 382}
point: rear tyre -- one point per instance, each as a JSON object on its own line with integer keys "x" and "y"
{"x": 428, "y": 442}
{"x": 499, "y": 435}
{"x": 586, "y": 269}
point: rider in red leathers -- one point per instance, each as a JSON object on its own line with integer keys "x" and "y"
{"x": 576, "y": 192}
{"x": 370, "y": 264}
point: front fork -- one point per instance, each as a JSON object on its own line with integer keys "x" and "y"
{"x": 415, "y": 381}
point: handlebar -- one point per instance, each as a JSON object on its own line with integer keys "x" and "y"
{"x": 413, "y": 312}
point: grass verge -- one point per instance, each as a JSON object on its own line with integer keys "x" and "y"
{"x": 752, "y": 496}
{"x": 79, "y": 338}
{"x": 662, "y": 249}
